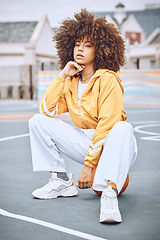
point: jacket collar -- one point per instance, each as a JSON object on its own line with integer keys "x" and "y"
{"x": 73, "y": 82}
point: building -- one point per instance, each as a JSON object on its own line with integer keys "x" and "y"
{"x": 140, "y": 30}
{"x": 145, "y": 55}
{"x": 25, "y": 49}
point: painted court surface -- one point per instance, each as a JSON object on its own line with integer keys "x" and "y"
{"x": 22, "y": 217}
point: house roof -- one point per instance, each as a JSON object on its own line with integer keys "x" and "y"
{"x": 154, "y": 38}
{"x": 149, "y": 19}
{"x": 11, "y": 32}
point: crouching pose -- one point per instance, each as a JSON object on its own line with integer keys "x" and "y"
{"x": 90, "y": 53}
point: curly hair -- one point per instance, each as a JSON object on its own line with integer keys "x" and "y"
{"x": 107, "y": 39}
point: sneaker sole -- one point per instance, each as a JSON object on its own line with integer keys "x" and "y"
{"x": 68, "y": 192}
{"x": 110, "y": 218}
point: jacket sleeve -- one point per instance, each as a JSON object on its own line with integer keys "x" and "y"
{"x": 110, "y": 111}
{"x": 53, "y": 101}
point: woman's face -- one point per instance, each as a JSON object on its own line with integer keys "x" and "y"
{"x": 84, "y": 52}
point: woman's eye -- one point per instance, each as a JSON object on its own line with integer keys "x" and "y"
{"x": 88, "y": 45}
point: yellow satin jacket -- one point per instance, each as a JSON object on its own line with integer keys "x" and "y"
{"x": 100, "y": 107}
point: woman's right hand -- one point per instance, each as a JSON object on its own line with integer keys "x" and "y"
{"x": 71, "y": 69}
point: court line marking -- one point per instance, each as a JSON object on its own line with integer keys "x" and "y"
{"x": 51, "y": 225}
{"x": 14, "y": 137}
{"x": 154, "y": 136}
{"x": 60, "y": 228}
{"x": 43, "y": 223}
{"x": 136, "y": 129}
{"x": 142, "y": 110}
{"x": 144, "y": 122}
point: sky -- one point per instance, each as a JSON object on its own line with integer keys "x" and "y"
{"x": 58, "y": 10}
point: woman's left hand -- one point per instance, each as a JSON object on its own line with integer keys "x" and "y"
{"x": 84, "y": 180}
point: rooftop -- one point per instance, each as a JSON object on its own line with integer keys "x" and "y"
{"x": 11, "y": 32}
{"x": 148, "y": 19}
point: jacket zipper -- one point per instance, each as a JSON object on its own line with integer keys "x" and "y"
{"x": 81, "y": 111}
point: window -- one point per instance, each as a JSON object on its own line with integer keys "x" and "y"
{"x": 153, "y": 64}
{"x": 133, "y": 37}
{"x": 21, "y": 92}
{"x": 10, "y": 92}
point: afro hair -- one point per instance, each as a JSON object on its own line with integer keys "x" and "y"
{"x": 106, "y": 37}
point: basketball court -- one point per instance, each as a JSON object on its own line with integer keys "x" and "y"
{"x": 22, "y": 217}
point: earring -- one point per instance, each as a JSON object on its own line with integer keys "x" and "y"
{"x": 96, "y": 59}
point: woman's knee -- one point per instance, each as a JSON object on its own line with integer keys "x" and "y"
{"x": 33, "y": 121}
{"x": 124, "y": 127}
{"x": 47, "y": 123}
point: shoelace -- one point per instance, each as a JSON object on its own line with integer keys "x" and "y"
{"x": 109, "y": 202}
{"x": 52, "y": 178}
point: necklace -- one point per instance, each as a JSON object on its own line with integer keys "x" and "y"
{"x": 89, "y": 75}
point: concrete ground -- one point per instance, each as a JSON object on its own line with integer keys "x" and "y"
{"x": 23, "y": 217}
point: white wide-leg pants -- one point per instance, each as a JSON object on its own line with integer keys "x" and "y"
{"x": 50, "y": 137}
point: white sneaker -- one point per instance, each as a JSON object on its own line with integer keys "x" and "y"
{"x": 56, "y": 187}
{"x": 109, "y": 207}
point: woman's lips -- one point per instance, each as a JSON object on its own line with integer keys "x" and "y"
{"x": 79, "y": 56}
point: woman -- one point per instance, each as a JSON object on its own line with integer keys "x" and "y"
{"x": 90, "y": 52}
